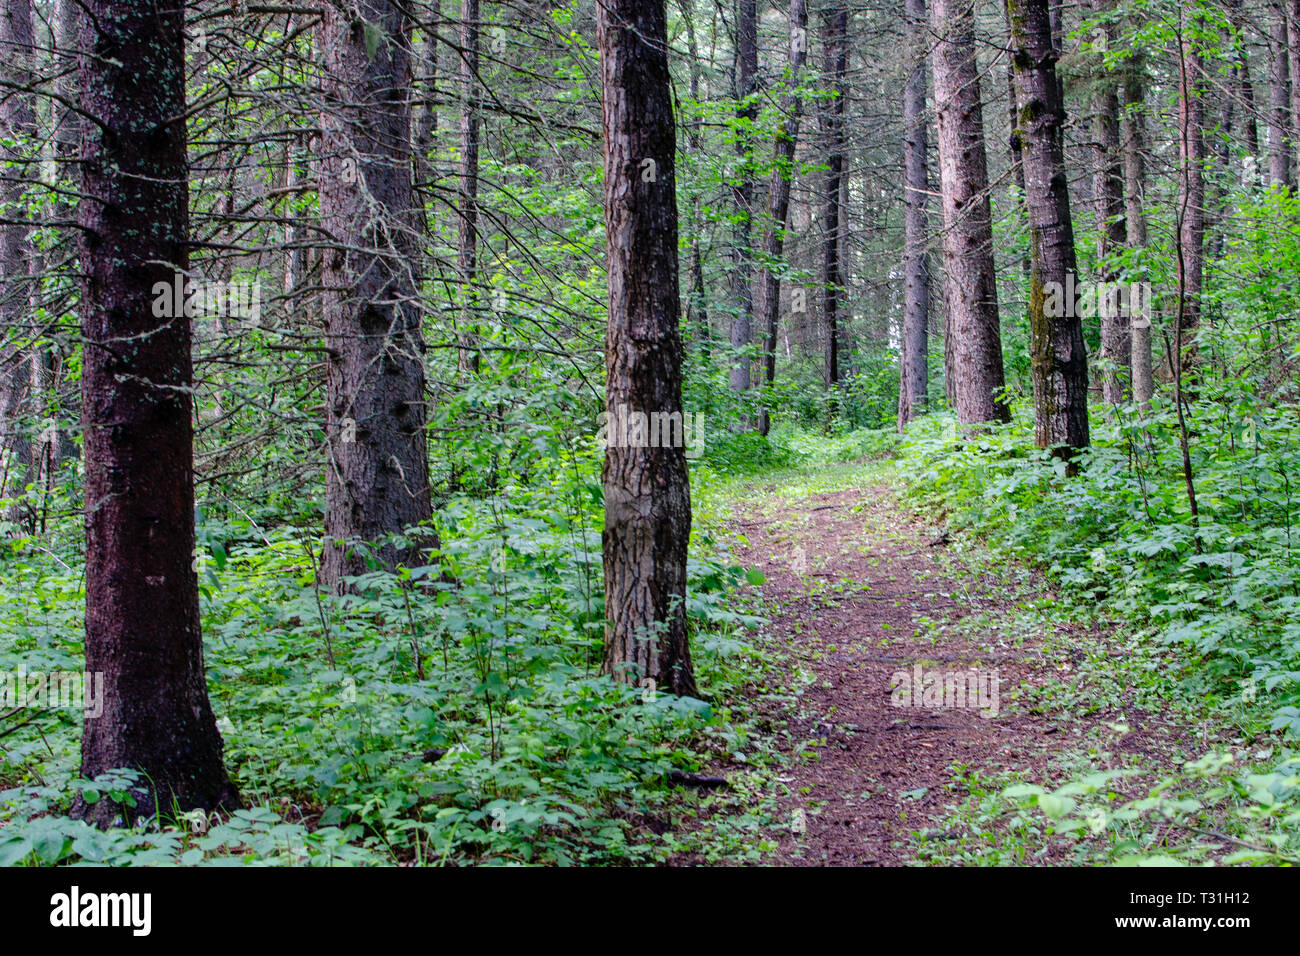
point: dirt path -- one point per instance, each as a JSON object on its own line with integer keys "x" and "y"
{"x": 855, "y": 591}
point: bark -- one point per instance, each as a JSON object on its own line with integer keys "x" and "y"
{"x": 17, "y": 133}
{"x": 742, "y": 294}
{"x": 1108, "y": 199}
{"x": 1279, "y": 91}
{"x": 969, "y": 278}
{"x": 1136, "y": 231}
{"x": 778, "y": 203}
{"x": 647, "y": 493}
{"x": 1191, "y": 202}
{"x": 697, "y": 308}
{"x": 142, "y": 604}
{"x": 1292, "y": 15}
{"x": 467, "y": 188}
{"x": 835, "y": 28}
{"x": 1058, "y": 355}
{"x": 913, "y": 368}
{"x": 377, "y": 481}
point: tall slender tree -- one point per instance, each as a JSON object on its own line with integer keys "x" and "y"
{"x": 969, "y": 278}
{"x": 1057, "y": 351}
{"x": 377, "y": 479}
{"x": 778, "y": 193}
{"x": 142, "y": 602}
{"x": 467, "y": 182}
{"x": 913, "y": 360}
{"x": 742, "y": 272}
{"x": 647, "y": 492}
{"x": 835, "y": 28}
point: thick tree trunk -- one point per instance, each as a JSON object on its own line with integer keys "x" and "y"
{"x": 647, "y": 492}
{"x": 1279, "y": 90}
{"x": 913, "y": 360}
{"x": 142, "y": 603}
{"x": 778, "y": 202}
{"x": 377, "y": 482}
{"x": 1058, "y": 355}
{"x": 742, "y": 291}
{"x": 969, "y": 278}
{"x": 835, "y": 29}
{"x": 1136, "y": 231}
{"x": 467, "y": 188}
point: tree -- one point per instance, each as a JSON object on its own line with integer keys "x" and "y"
{"x": 742, "y": 294}
{"x": 1191, "y": 198}
{"x": 778, "y": 193}
{"x": 377, "y": 480}
{"x": 1059, "y": 359}
{"x": 647, "y": 492}
{"x": 913, "y": 358}
{"x": 969, "y": 277}
{"x": 467, "y": 184}
{"x": 142, "y": 603}
{"x": 1279, "y": 91}
{"x": 1108, "y": 207}
{"x": 835, "y": 29}
{"x": 17, "y": 131}
{"x": 1135, "y": 223}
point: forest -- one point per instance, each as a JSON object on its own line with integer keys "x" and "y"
{"x": 649, "y": 433}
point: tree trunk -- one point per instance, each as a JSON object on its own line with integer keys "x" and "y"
{"x": 1279, "y": 90}
{"x": 18, "y": 132}
{"x": 1136, "y": 231}
{"x": 697, "y": 308}
{"x": 742, "y": 292}
{"x": 377, "y": 482}
{"x": 969, "y": 279}
{"x": 142, "y": 602}
{"x": 1191, "y": 202}
{"x": 835, "y": 28}
{"x": 1058, "y": 355}
{"x": 1108, "y": 199}
{"x": 467, "y": 188}
{"x": 778, "y": 204}
{"x": 647, "y": 492}
{"x": 913, "y": 360}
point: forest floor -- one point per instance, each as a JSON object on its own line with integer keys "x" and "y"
{"x": 864, "y": 599}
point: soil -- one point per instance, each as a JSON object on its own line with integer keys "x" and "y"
{"x": 854, "y": 590}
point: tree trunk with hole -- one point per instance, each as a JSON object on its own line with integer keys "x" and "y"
{"x": 647, "y": 493}
{"x": 142, "y": 602}
{"x": 377, "y": 478}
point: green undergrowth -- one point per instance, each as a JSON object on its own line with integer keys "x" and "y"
{"x": 1183, "y": 629}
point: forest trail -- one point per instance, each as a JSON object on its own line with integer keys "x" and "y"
{"x": 855, "y": 593}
